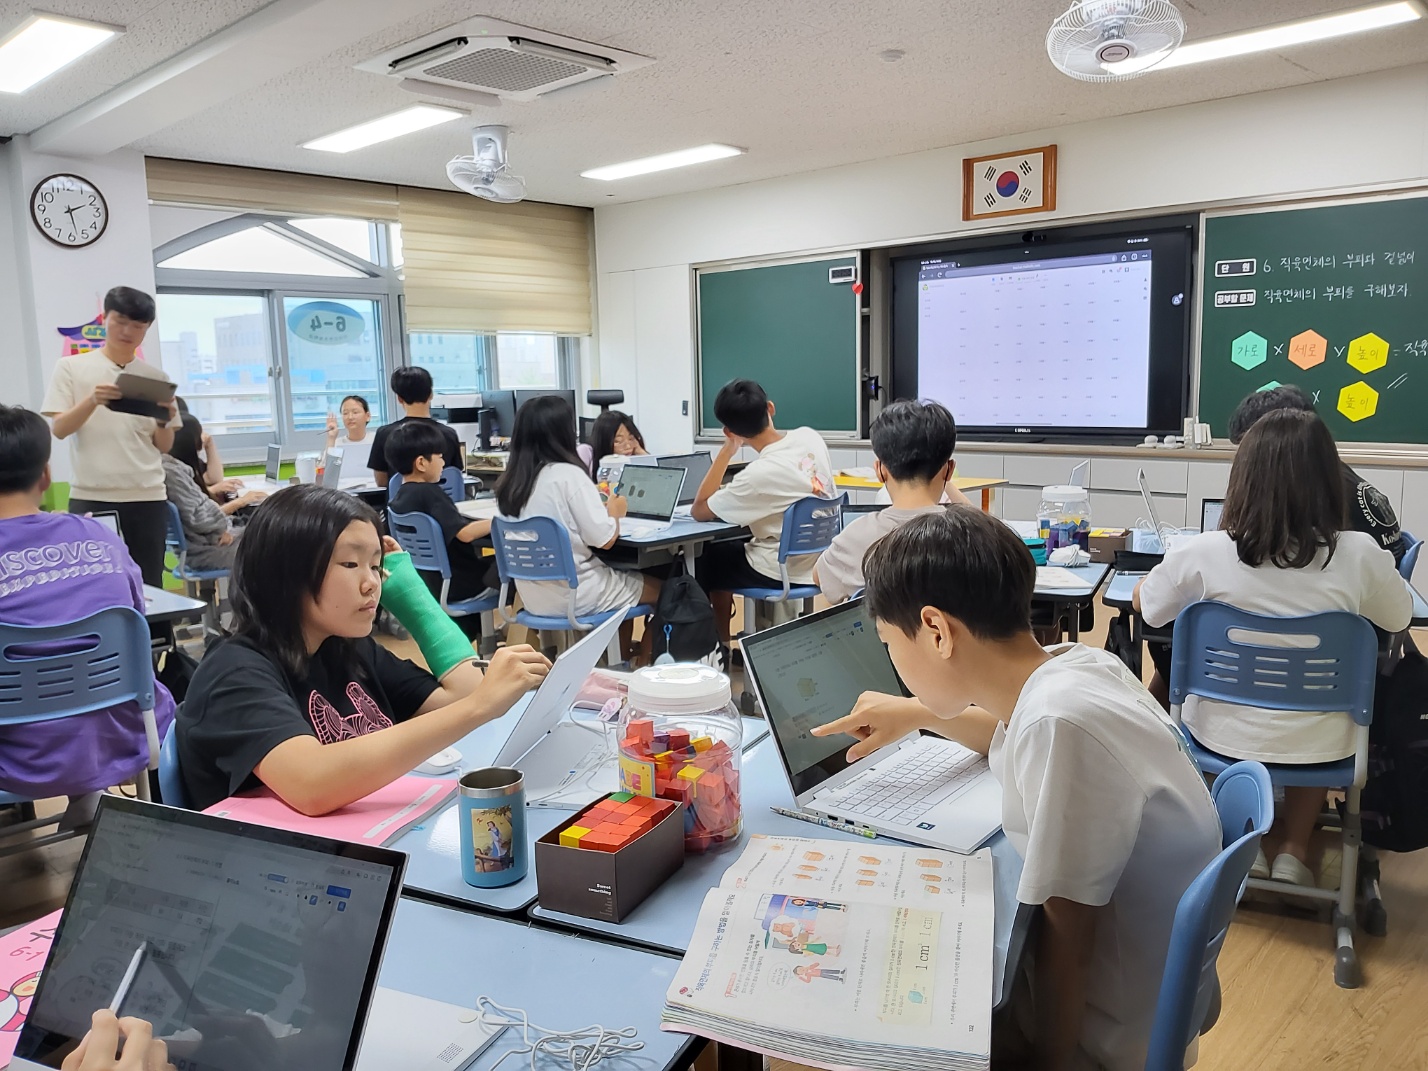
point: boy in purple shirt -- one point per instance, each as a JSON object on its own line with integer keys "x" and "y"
{"x": 54, "y": 568}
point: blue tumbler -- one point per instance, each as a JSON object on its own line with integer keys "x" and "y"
{"x": 494, "y": 851}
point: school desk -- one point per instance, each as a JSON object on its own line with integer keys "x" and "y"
{"x": 665, "y": 921}
{"x": 684, "y": 535}
{"x": 966, "y": 484}
{"x": 1073, "y": 599}
{"x": 165, "y": 609}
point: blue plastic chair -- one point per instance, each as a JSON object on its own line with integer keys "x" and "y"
{"x": 1188, "y": 1004}
{"x": 453, "y": 483}
{"x": 1410, "y": 555}
{"x": 1222, "y": 653}
{"x": 171, "y": 789}
{"x": 394, "y": 484}
{"x": 421, "y": 537}
{"x": 197, "y": 583}
{"x": 538, "y": 549}
{"x": 809, "y": 527}
{"x": 48, "y": 672}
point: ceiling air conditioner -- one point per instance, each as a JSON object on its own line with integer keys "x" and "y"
{"x": 485, "y": 61}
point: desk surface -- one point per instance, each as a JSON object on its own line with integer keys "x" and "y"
{"x": 562, "y": 981}
{"x": 1093, "y": 575}
{"x": 665, "y": 921}
{"x": 682, "y": 530}
{"x": 161, "y": 605}
{"x": 848, "y": 481}
{"x": 1122, "y": 586}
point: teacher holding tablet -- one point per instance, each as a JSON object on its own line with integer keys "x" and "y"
{"x": 117, "y": 456}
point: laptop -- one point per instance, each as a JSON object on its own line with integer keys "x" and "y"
{"x": 696, "y": 466}
{"x": 273, "y": 465}
{"x": 563, "y": 760}
{"x": 652, "y": 494}
{"x": 332, "y": 469}
{"x": 110, "y": 519}
{"x": 922, "y": 789}
{"x": 1210, "y": 510}
{"x": 244, "y": 946}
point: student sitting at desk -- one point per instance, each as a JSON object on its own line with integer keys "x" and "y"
{"x": 56, "y": 568}
{"x": 613, "y": 439}
{"x": 1108, "y": 812}
{"x": 791, "y": 465}
{"x": 1282, "y": 551}
{"x": 301, "y": 698}
{"x": 207, "y": 526}
{"x": 412, "y": 386}
{"x": 544, "y": 478}
{"x": 354, "y": 442}
{"x": 1368, "y": 509}
{"x": 414, "y": 449}
{"x": 912, "y": 444}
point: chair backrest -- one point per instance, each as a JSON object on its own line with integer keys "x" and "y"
{"x": 394, "y": 484}
{"x": 1244, "y": 797}
{"x": 420, "y": 536}
{"x": 453, "y": 483}
{"x": 171, "y": 790}
{"x": 56, "y": 671}
{"x": 1189, "y": 984}
{"x": 174, "y": 536}
{"x": 586, "y": 452}
{"x": 810, "y": 526}
{"x": 1410, "y": 554}
{"x": 1223, "y": 653}
{"x": 537, "y": 548}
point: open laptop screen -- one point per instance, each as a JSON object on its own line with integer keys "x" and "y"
{"x": 652, "y": 492}
{"x": 811, "y": 671}
{"x": 274, "y": 465}
{"x": 245, "y": 947}
{"x": 696, "y": 466}
{"x": 1210, "y": 510}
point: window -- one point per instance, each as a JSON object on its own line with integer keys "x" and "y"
{"x": 267, "y": 324}
{"x": 463, "y": 362}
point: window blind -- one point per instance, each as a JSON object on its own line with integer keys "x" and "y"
{"x": 251, "y": 189}
{"x": 471, "y": 265}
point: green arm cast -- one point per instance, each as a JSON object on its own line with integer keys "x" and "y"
{"x": 406, "y": 597}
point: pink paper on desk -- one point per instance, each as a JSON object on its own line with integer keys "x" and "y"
{"x": 378, "y": 819}
{"x": 23, "y": 952}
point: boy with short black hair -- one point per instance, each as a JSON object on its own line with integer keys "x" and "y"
{"x": 912, "y": 443}
{"x": 1099, "y": 796}
{"x": 412, "y": 386}
{"x": 56, "y": 568}
{"x": 415, "y": 450}
{"x": 791, "y": 465}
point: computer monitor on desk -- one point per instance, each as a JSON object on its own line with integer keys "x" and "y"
{"x": 502, "y": 404}
{"x": 523, "y": 396}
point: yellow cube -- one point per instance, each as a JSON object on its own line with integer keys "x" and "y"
{"x": 570, "y": 836}
{"x": 690, "y": 774}
{"x": 702, "y": 743}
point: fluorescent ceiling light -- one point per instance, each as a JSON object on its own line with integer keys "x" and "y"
{"x": 406, "y": 121}
{"x": 1271, "y": 38}
{"x": 663, "y": 162}
{"x": 43, "y": 44}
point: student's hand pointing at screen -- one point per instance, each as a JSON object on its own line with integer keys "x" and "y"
{"x": 878, "y": 720}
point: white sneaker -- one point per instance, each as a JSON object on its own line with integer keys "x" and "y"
{"x": 1260, "y": 869}
{"x": 1289, "y": 869}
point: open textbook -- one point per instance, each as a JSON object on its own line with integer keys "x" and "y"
{"x": 843, "y": 955}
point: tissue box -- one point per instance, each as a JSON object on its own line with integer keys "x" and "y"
{"x": 1104, "y": 542}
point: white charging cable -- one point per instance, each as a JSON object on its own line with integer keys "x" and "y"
{"x": 578, "y": 1050}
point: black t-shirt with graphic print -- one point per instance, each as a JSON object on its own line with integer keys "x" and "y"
{"x": 1371, "y": 512}
{"x": 241, "y": 704}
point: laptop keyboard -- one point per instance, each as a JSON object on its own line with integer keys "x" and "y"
{"x": 637, "y": 529}
{"x": 903, "y": 793}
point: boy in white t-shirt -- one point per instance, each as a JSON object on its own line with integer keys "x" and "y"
{"x": 1099, "y": 796}
{"x": 791, "y": 465}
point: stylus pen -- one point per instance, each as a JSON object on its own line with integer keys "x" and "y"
{"x": 826, "y": 823}
{"x": 128, "y": 980}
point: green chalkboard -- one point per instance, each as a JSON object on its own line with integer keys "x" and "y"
{"x": 788, "y": 327}
{"x": 1333, "y": 298}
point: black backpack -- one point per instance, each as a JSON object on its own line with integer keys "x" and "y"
{"x": 683, "y": 621}
{"x": 1394, "y": 804}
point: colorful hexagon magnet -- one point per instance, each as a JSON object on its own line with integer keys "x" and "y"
{"x": 1269, "y": 386}
{"x": 1358, "y": 401}
{"x": 1367, "y": 353}
{"x": 1307, "y": 349}
{"x": 1249, "y": 350}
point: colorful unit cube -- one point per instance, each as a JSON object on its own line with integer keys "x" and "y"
{"x": 699, "y": 772}
{"x": 615, "y": 821}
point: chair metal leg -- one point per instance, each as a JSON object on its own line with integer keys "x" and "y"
{"x": 1373, "y": 918}
{"x": 1347, "y": 972}
{"x": 489, "y": 638}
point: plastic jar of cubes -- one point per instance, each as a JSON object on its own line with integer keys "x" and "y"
{"x": 680, "y": 739}
{"x": 1064, "y": 517}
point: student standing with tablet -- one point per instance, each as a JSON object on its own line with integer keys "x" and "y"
{"x": 301, "y": 698}
{"x": 116, "y": 456}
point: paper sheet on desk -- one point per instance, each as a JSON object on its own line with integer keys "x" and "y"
{"x": 862, "y": 472}
{"x": 1053, "y": 578}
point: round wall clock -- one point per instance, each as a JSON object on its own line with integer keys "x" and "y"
{"x": 69, "y": 211}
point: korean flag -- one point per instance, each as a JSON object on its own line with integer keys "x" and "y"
{"x": 1014, "y": 183}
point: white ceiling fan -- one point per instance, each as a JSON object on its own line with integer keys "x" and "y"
{"x": 1112, "y": 40}
{"x": 485, "y": 173}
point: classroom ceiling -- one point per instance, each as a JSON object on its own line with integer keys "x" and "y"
{"x": 801, "y": 84}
